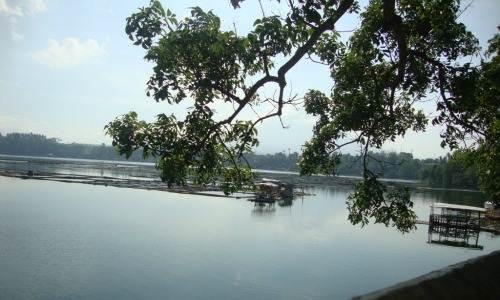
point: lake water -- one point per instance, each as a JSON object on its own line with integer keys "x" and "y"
{"x": 77, "y": 241}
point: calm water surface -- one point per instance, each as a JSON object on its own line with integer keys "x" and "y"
{"x": 76, "y": 241}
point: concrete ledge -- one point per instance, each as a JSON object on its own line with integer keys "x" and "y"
{"x": 477, "y": 278}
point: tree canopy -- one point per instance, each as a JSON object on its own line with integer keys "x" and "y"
{"x": 402, "y": 52}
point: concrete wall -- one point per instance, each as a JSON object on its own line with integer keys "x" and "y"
{"x": 477, "y": 278}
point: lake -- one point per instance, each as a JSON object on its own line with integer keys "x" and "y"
{"x": 77, "y": 241}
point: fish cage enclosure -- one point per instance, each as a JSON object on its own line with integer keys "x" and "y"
{"x": 455, "y": 225}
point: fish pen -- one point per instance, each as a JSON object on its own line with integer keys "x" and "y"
{"x": 455, "y": 225}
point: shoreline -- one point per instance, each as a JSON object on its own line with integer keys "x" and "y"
{"x": 147, "y": 170}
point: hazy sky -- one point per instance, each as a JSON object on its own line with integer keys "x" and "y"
{"x": 67, "y": 68}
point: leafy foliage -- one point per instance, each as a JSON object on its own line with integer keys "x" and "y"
{"x": 195, "y": 59}
{"x": 471, "y": 112}
{"x": 372, "y": 200}
{"x": 478, "y": 106}
{"x": 173, "y": 143}
{"x": 403, "y": 51}
{"x": 453, "y": 171}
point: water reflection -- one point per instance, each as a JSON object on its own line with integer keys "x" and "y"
{"x": 453, "y": 236}
{"x": 268, "y": 208}
{"x": 471, "y": 198}
{"x": 263, "y": 209}
{"x": 438, "y": 233}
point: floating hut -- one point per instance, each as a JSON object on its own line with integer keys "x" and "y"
{"x": 267, "y": 191}
{"x": 271, "y": 190}
{"x": 456, "y": 215}
{"x": 455, "y": 225}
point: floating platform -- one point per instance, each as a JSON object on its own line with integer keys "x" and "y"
{"x": 455, "y": 225}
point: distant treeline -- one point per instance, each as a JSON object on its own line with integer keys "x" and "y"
{"x": 40, "y": 145}
{"x": 445, "y": 172}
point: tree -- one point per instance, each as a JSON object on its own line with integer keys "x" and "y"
{"x": 403, "y": 51}
{"x": 476, "y": 104}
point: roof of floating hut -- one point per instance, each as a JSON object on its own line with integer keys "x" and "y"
{"x": 271, "y": 180}
{"x": 458, "y": 207}
{"x": 267, "y": 184}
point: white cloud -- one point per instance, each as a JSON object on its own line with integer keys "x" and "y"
{"x": 22, "y": 7}
{"x": 36, "y": 6}
{"x": 15, "y": 10}
{"x": 8, "y": 10}
{"x": 69, "y": 52}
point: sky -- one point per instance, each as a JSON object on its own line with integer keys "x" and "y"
{"x": 67, "y": 68}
